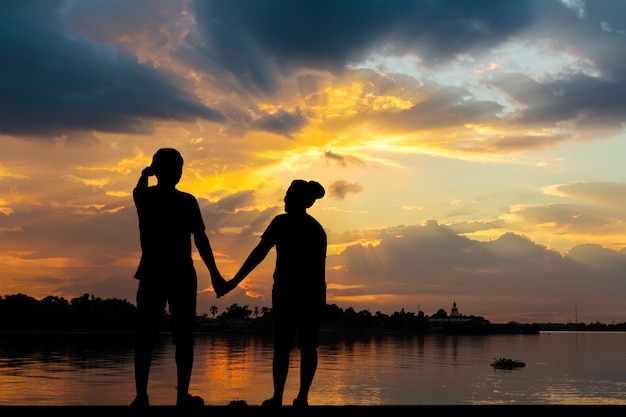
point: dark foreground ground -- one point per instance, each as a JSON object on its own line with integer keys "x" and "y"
{"x": 326, "y": 411}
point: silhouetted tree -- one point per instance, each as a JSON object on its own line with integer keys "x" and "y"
{"x": 56, "y": 312}
{"x": 332, "y": 315}
{"x": 401, "y": 320}
{"x": 235, "y": 311}
{"x": 20, "y": 311}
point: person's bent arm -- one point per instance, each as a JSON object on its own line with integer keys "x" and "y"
{"x": 143, "y": 179}
{"x": 256, "y": 256}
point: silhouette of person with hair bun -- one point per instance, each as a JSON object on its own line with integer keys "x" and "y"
{"x": 167, "y": 219}
{"x": 299, "y": 289}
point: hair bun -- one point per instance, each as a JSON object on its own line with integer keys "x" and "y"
{"x": 316, "y": 190}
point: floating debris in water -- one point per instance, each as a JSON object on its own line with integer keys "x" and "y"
{"x": 504, "y": 363}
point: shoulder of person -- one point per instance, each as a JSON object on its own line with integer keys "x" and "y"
{"x": 185, "y": 194}
{"x": 279, "y": 218}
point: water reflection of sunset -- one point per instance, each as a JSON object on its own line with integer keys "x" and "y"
{"x": 561, "y": 368}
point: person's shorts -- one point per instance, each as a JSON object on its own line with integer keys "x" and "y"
{"x": 151, "y": 302}
{"x": 296, "y": 320}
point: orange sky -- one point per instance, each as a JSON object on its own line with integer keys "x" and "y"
{"x": 470, "y": 154}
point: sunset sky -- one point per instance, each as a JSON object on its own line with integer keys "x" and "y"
{"x": 472, "y": 151}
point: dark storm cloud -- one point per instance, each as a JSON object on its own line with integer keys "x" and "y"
{"x": 70, "y": 68}
{"x": 53, "y": 83}
{"x": 328, "y": 34}
{"x": 282, "y": 122}
{"x": 594, "y": 32}
{"x": 258, "y": 40}
{"x": 107, "y": 21}
{"x": 600, "y": 100}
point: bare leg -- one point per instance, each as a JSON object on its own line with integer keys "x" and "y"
{"x": 149, "y": 314}
{"x": 280, "y": 369}
{"x": 143, "y": 360}
{"x": 308, "y": 366}
{"x": 184, "y": 365}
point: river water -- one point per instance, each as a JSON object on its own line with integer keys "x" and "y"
{"x": 562, "y": 368}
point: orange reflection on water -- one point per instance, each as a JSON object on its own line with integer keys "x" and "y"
{"x": 227, "y": 371}
{"x": 564, "y": 368}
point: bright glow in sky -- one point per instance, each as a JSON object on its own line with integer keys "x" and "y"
{"x": 471, "y": 151}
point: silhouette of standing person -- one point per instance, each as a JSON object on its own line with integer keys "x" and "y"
{"x": 299, "y": 289}
{"x": 167, "y": 219}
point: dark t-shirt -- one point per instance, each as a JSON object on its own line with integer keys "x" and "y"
{"x": 299, "y": 276}
{"x": 167, "y": 219}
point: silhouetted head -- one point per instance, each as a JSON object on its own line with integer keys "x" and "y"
{"x": 167, "y": 164}
{"x": 302, "y": 194}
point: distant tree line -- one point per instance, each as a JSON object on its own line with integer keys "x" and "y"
{"x": 87, "y": 312}
{"x": 90, "y": 313}
{"x": 22, "y": 312}
{"x": 333, "y": 318}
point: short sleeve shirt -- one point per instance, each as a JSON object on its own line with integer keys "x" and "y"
{"x": 301, "y": 243}
{"x": 167, "y": 219}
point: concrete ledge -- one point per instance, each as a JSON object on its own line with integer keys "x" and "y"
{"x": 346, "y": 411}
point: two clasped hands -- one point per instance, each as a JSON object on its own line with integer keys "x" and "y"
{"x": 221, "y": 286}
